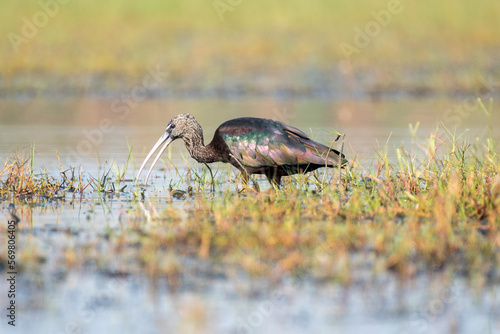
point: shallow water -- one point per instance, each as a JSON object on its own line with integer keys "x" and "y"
{"x": 85, "y": 303}
{"x": 80, "y": 301}
{"x": 92, "y": 132}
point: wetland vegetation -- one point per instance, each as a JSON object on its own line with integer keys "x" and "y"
{"x": 436, "y": 208}
{"x": 405, "y": 239}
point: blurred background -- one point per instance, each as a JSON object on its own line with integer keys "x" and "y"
{"x": 95, "y": 80}
{"x": 365, "y": 68}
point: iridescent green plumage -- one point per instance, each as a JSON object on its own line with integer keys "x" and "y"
{"x": 253, "y": 145}
{"x": 273, "y": 148}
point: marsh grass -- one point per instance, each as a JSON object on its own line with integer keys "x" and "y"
{"x": 19, "y": 181}
{"x": 22, "y": 182}
{"x": 409, "y": 216}
{"x": 436, "y": 207}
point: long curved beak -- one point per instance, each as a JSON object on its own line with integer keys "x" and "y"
{"x": 164, "y": 139}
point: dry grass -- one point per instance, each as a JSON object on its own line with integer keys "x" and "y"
{"x": 22, "y": 183}
{"x": 436, "y": 208}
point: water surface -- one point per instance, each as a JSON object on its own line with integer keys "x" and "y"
{"x": 91, "y": 134}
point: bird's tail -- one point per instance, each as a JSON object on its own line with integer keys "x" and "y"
{"x": 329, "y": 156}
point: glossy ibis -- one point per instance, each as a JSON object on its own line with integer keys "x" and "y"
{"x": 252, "y": 145}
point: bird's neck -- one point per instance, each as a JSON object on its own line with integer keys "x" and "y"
{"x": 198, "y": 150}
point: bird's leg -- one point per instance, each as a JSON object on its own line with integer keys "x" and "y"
{"x": 255, "y": 185}
{"x": 244, "y": 177}
{"x": 276, "y": 181}
{"x": 244, "y": 174}
{"x": 211, "y": 175}
{"x": 274, "y": 178}
{"x": 246, "y": 186}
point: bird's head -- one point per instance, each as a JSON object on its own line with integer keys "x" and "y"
{"x": 182, "y": 126}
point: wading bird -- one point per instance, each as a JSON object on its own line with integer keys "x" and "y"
{"x": 252, "y": 145}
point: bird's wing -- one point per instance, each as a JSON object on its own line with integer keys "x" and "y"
{"x": 263, "y": 143}
{"x": 314, "y": 152}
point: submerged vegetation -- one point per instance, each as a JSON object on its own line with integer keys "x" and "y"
{"x": 436, "y": 208}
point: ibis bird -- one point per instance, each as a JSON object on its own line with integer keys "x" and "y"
{"x": 252, "y": 145}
